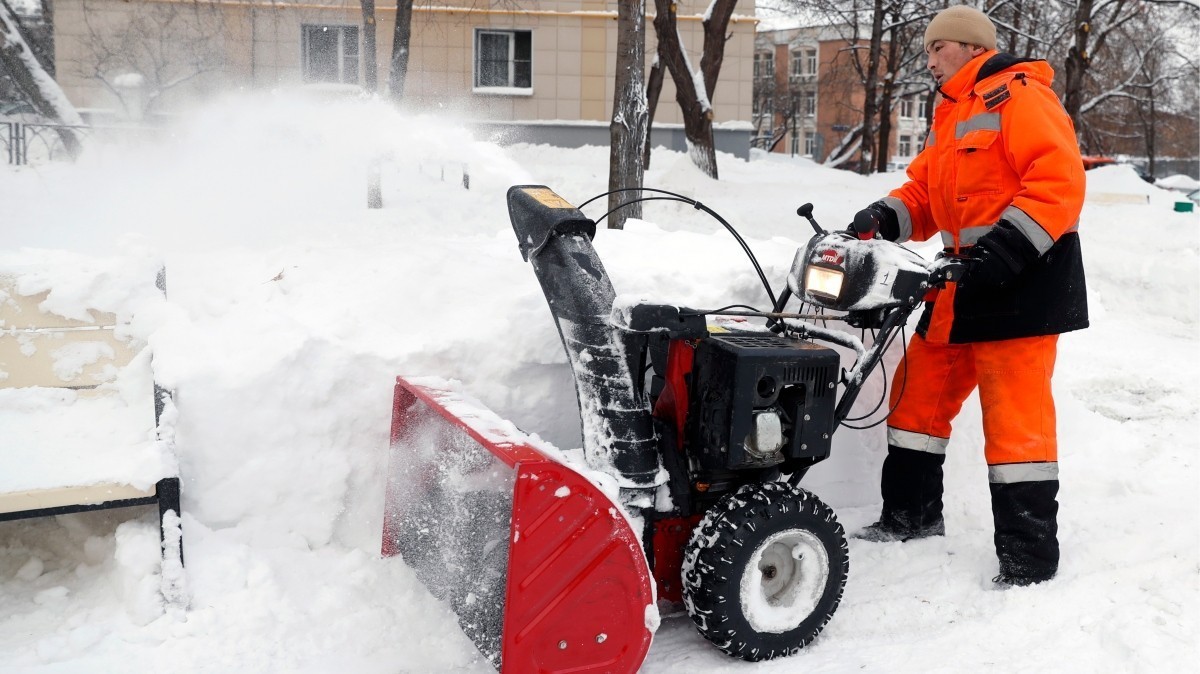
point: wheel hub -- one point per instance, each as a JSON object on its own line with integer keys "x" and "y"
{"x": 784, "y": 581}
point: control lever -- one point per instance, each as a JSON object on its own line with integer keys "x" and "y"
{"x": 805, "y": 211}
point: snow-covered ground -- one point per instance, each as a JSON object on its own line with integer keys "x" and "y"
{"x": 292, "y": 307}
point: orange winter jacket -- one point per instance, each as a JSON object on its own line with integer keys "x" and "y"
{"x": 1001, "y": 148}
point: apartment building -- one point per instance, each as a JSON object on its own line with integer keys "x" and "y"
{"x": 516, "y": 60}
{"x": 808, "y": 97}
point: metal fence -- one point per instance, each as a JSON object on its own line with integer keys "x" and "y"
{"x": 38, "y": 142}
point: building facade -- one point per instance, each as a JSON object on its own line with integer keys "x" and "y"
{"x": 497, "y": 62}
{"x": 808, "y": 97}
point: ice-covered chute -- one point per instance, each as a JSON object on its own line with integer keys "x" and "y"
{"x": 618, "y": 431}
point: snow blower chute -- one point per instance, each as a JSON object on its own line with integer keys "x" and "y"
{"x": 706, "y": 432}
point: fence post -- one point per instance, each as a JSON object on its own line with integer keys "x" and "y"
{"x": 374, "y": 184}
{"x": 20, "y": 142}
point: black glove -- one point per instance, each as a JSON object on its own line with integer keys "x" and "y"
{"x": 876, "y": 218}
{"x": 999, "y": 256}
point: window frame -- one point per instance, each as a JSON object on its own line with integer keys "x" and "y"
{"x": 803, "y": 64}
{"x": 767, "y": 57}
{"x": 808, "y": 104}
{"x": 342, "y": 30}
{"x": 511, "y": 88}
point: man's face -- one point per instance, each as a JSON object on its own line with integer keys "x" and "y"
{"x": 945, "y": 58}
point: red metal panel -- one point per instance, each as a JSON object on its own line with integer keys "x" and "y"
{"x": 670, "y": 539}
{"x": 577, "y": 586}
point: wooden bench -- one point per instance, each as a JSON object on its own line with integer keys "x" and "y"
{"x": 81, "y": 416}
{"x": 1116, "y": 198}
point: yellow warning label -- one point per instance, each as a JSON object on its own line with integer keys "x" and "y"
{"x": 546, "y": 197}
{"x": 717, "y": 329}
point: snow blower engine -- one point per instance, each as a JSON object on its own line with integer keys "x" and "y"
{"x": 701, "y": 431}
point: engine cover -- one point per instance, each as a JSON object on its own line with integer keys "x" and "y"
{"x": 742, "y": 382}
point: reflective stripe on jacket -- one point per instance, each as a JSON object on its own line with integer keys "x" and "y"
{"x": 1001, "y": 148}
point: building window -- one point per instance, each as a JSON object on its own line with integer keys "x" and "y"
{"x": 764, "y": 66}
{"x": 906, "y": 107}
{"x": 504, "y": 59}
{"x": 763, "y": 105}
{"x": 810, "y": 145}
{"x": 330, "y": 53}
{"x": 905, "y": 146}
{"x": 804, "y": 63}
{"x": 922, "y": 101}
{"x": 808, "y": 104}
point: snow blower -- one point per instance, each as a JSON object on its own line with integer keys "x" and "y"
{"x": 704, "y": 432}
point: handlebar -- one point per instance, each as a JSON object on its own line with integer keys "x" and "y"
{"x": 948, "y": 267}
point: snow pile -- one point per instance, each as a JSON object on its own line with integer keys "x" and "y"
{"x": 291, "y": 309}
{"x": 1178, "y": 182}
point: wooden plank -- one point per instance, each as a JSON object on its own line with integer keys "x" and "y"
{"x": 63, "y": 358}
{"x": 22, "y": 311}
{"x": 1116, "y": 198}
{"x": 94, "y": 494}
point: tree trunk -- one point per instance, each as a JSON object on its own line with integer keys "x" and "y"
{"x": 1150, "y": 129}
{"x": 653, "y": 91}
{"x": 401, "y": 37}
{"x": 885, "y": 103}
{"x": 1077, "y": 62}
{"x": 42, "y": 92}
{"x": 370, "y": 54}
{"x": 693, "y": 90}
{"x": 870, "y": 86}
{"x": 628, "y": 129}
{"x": 371, "y": 82}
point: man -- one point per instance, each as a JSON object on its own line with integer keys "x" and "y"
{"x": 1001, "y": 181}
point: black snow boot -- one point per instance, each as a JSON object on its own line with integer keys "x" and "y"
{"x": 1026, "y": 518}
{"x": 912, "y": 497}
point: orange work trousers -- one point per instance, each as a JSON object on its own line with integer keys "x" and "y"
{"x": 1013, "y": 377}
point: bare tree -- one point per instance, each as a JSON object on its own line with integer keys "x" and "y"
{"x": 694, "y": 88}
{"x": 371, "y": 82}
{"x": 1104, "y": 51}
{"x": 1092, "y": 24}
{"x": 653, "y": 91}
{"x": 630, "y": 120}
{"x": 401, "y": 41}
{"x": 1144, "y": 74}
{"x": 370, "y": 53}
{"x": 141, "y": 54}
{"x": 883, "y": 52}
{"x": 38, "y": 87}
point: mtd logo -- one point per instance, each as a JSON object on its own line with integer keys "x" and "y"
{"x": 832, "y": 256}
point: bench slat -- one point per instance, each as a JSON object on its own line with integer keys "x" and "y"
{"x": 22, "y": 311}
{"x": 95, "y": 494}
{"x": 61, "y": 359}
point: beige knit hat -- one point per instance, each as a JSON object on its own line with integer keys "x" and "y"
{"x": 962, "y": 24}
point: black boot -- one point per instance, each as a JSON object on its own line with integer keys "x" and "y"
{"x": 1026, "y": 518}
{"x": 912, "y": 497}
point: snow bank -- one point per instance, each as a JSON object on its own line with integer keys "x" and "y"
{"x": 291, "y": 308}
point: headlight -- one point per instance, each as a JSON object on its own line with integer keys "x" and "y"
{"x": 767, "y": 437}
{"x": 823, "y": 282}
